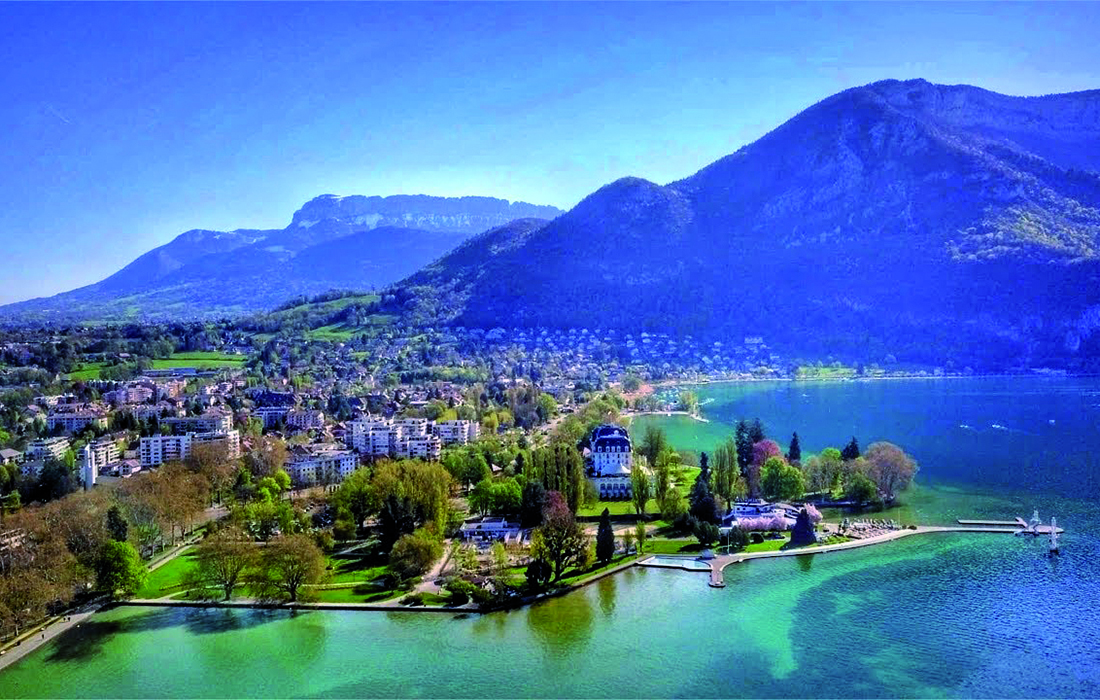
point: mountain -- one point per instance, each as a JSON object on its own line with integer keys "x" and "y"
{"x": 926, "y": 222}
{"x": 331, "y": 242}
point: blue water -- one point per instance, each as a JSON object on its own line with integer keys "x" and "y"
{"x": 939, "y": 615}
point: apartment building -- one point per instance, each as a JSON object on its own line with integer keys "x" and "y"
{"x": 47, "y": 448}
{"x": 211, "y": 422}
{"x": 320, "y": 464}
{"x": 159, "y": 449}
{"x": 457, "y": 432}
{"x": 306, "y": 419}
{"x": 271, "y": 415}
{"x": 75, "y": 421}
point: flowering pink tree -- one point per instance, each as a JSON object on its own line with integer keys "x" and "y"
{"x": 777, "y": 524}
{"x": 814, "y": 513}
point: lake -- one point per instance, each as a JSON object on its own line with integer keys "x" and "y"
{"x": 942, "y": 615}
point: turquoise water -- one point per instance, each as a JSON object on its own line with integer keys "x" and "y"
{"x": 940, "y": 615}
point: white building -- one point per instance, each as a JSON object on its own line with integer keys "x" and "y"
{"x": 404, "y": 438}
{"x": 611, "y": 452}
{"x": 457, "y": 432}
{"x": 159, "y": 449}
{"x": 75, "y": 421}
{"x": 320, "y": 464}
{"x": 609, "y": 461}
{"x": 271, "y": 415}
{"x": 306, "y": 419}
{"x": 212, "y": 422}
{"x": 47, "y": 448}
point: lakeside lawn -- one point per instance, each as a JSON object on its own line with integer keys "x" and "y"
{"x": 168, "y": 579}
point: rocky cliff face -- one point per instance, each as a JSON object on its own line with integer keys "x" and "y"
{"x": 467, "y": 215}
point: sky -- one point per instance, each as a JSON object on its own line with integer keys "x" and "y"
{"x": 124, "y": 125}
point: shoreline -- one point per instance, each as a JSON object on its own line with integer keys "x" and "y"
{"x": 715, "y": 569}
{"x": 693, "y": 416}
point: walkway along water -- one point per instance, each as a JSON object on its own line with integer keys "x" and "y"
{"x": 722, "y": 561}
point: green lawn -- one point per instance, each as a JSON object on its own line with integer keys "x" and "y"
{"x": 575, "y": 576}
{"x": 365, "y": 593}
{"x": 176, "y": 362}
{"x": 682, "y": 545}
{"x": 168, "y": 578}
{"x": 335, "y": 332}
{"x": 808, "y": 372}
{"x": 86, "y": 371}
{"x": 354, "y": 569}
{"x": 211, "y": 355}
{"x": 616, "y": 508}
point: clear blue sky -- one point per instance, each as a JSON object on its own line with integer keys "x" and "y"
{"x": 124, "y": 125}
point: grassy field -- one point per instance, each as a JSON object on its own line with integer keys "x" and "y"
{"x": 200, "y": 360}
{"x": 809, "y": 372}
{"x": 87, "y": 371}
{"x": 335, "y": 333}
{"x": 168, "y": 578}
{"x": 354, "y": 570}
{"x": 208, "y": 355}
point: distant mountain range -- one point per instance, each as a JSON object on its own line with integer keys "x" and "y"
{"x": 331, "y": 242}
{"x": 933, "y": 223}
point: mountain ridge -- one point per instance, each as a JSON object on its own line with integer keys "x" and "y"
{"x": 191, "y": 275}
{"x": 869, "y": 218}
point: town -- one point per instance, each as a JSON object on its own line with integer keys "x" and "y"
{"x": 436, "y": 469}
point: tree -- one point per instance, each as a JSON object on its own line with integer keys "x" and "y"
{"x": 782, "y": 481}
{"x": 860, "y": 489}
{"x": 559, "y": 541}
{"x": 744, "y": 447}
{"x": 116, "y": 524}
{"x": 761, "y": 451}
{"x": 689, "y": 402}
{"x": 653, "y": 443}
{"x": 628, "y": 541}
{"x": 532, "y": 504}
{"x": 706, "y": 532}
{"x": 212, "y": 461}
{"x": 222, "y": 561}
{"x": 119, "y": 569}
{"x": 756, "y": 431}
{"x": 286, "y": 564}
{"x": 413, "y": 554}
{"x": 794, "y": 454}
{"x": 703, "y": 506}
{"x": 500, "y": 558}
{"x": 605, "y": 539}
{"x": 890, "y": 468}
{"x": 673, "y": 506}
{"x": 269, "y": 456}
{"x": 640, "y": 535}
{"x": 728, "y": 482}
{"x": 538, "y": 574}
{"x": 850, "y": 451}
{"x": 639, "y": 487}
{"x": 355, "y": 496}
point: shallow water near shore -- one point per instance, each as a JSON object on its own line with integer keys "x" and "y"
{"x": 937, "y": 615}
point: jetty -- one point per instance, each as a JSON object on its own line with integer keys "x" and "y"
{"x": 1005, "y": 527}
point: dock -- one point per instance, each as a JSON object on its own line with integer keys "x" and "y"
{"x": 1018, "y": 526}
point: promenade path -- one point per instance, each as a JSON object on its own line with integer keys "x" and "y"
{"x": 722, "y": 561}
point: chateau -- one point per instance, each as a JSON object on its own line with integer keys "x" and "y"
{"x": 609, "y": 460}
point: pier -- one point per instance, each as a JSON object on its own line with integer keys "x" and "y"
{"x": 1004, "y": 527}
